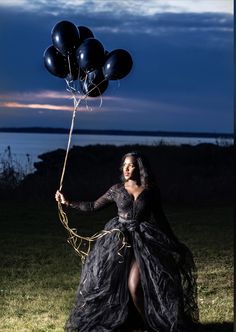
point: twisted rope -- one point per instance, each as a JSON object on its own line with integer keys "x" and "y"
{"x": 81, "y": 244}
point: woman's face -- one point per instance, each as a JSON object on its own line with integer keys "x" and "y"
{"x": 129, "y": 168}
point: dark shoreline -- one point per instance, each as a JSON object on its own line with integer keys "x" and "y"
{"x": 49, "y": 130}
{"x": 198, "y": 175}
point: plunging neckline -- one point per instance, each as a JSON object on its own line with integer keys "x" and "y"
{"x": 132, "y": 196}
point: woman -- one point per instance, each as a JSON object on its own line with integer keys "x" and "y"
{"x": 145, "y": 282}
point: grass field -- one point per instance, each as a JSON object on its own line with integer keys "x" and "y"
{"x": 40, "y": 271}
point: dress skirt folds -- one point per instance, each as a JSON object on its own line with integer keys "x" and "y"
{"x": 140, "y": 232}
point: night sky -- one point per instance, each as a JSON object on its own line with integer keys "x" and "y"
{"x": 181, "y": 80}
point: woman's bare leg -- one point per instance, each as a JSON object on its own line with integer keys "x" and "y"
{"x": 135, "y": 288}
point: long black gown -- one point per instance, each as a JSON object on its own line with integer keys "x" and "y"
{"x": 167, "y": 270}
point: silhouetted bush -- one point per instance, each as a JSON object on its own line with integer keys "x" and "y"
{"x": 12, "y": 173}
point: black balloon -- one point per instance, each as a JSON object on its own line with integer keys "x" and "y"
{"x": 73, "y": 68}
{"x": 106, "y": 55}
{"x": 84, "y": 33}
{"x": 117, "y": 65}
{"x": 75, "y": 72}
{"x": 55, "y": 62}
{"x": 90, "y": 54}
{"x": 65, "y": 37}
{"x": 94, "y": 84}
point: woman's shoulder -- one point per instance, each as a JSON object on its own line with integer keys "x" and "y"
{"x": 116, "y": 186}
{"x": 114, "y": 190}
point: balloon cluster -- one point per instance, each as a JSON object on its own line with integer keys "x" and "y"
{"x": 75, "y": 54}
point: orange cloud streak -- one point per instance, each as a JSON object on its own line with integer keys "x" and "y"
{"x": 47, "y": 94}
{"x": 40, "y": 106}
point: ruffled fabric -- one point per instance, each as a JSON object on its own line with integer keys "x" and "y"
{"x": 168, "y": 279}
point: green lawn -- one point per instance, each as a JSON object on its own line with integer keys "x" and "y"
{"x": 40, "y": 271}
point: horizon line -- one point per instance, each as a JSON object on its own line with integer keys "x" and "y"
{"x": 62, "y": 130}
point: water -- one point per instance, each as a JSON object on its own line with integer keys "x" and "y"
{"x": 26, "y": 147}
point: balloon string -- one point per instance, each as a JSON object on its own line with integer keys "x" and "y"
{"x": 76, "y": 106}
{"x": 77, "y": 241}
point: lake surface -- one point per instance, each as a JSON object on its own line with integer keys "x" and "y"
{"x": 28, "y": 146}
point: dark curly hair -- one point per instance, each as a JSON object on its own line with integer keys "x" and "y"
{"x": 146, "y": 177}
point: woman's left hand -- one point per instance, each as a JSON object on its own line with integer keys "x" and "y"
{"x": 59, "y": 197}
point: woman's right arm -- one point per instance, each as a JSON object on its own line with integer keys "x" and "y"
{"x": 96, "y": 205}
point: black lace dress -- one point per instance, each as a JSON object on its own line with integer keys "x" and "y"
{"x": 167, "y": 270}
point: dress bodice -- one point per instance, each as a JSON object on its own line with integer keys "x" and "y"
{"x": 146, "y": 207}
{"x": 129, "y": 208}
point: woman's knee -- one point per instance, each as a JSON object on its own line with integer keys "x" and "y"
{"x": 132, "y": 287}
{"x": 134, "y": 280}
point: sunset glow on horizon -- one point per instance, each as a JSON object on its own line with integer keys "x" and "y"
{"x": 11, "y": 100}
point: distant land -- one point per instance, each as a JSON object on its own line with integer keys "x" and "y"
{"x": 50, "y": 130}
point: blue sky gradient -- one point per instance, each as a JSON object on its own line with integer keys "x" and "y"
{"x": 182, "y": 78}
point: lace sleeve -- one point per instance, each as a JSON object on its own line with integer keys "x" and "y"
{"x": 97, "y": 205}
